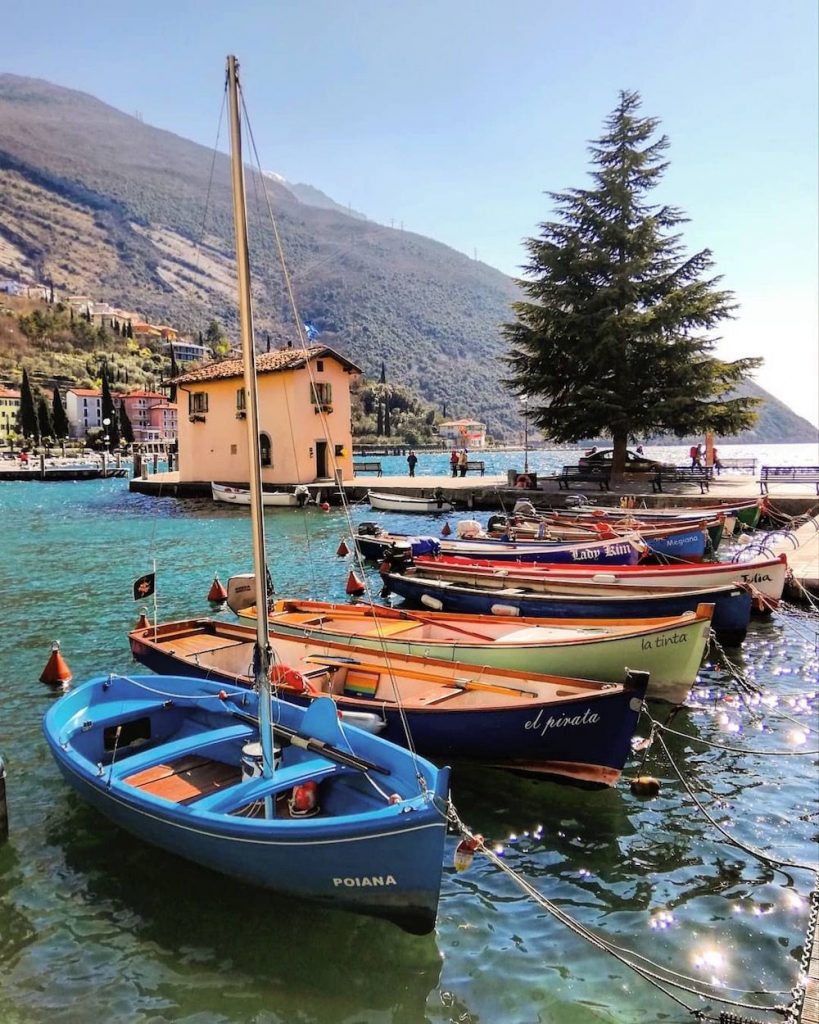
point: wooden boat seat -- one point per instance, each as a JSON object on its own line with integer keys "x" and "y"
{"x": 193, "y": 744}
{"x": 186, "y": 779}
{"x": 391, "y": 628}
{"x": 192, "y": 644}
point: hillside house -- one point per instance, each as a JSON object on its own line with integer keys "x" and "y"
{"x": 294, "y": 390}
{"x": 463, "y": 433}
{"x": 188, "y": 351}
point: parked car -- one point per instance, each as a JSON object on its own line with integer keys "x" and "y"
{"x": 635, "y": 463}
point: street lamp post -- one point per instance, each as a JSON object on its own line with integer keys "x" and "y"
{"x": 525, "y": 403}
{"x": 106, "y": 439}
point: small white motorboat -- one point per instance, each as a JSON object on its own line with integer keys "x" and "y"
{"x": 241, "y": 496}
{"x": 410, "y": 503}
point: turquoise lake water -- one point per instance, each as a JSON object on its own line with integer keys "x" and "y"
{"x": 95, "y": 926}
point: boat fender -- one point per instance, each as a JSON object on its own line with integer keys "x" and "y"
{"x": 286, "y": 678}
{"x": 604, "y": 530}
{"x": 645, "y": 785}
{"x": 496, "y": 522}
{"x": 432, "y": 602}
{"x": 465, "y": 852}
{"x": 503, "y": 609}
{"x": 303, "y": 802}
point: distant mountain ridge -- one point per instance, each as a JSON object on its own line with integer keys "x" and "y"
{"x": 100, "y": 203}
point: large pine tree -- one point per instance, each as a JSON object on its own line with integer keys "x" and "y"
{"x": 615, "y": 336}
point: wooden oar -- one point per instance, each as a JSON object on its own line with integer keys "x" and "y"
{"x": 457, "y": 629}
{"x": 474, "y": 684}
{"x": 338, "y": 661}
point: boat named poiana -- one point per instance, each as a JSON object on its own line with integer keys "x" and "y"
{"x": 337, "y": 815}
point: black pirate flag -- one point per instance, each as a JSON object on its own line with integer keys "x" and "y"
{"x": 144, "y": 586}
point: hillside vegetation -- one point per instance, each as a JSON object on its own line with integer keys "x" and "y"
{"x": 98, "y": 203}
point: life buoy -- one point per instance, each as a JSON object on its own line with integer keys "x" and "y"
{"x": 286, "y": 678}
{"x": 523, "y": 481}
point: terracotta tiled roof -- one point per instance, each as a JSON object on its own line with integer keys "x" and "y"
{"x": 143, "y": 394}
{"x": 9, "y": 393}
{"x": 266, "y": 362}
{"x": 86, "y": 392}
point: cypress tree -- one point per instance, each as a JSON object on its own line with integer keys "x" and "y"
{"x": 44, "y": 423}
{"x": 614, "y": 336}
{"x": 379, "y": 427}
{"x": 126, "y": 429}
{"x": 387, "y": 426}
{"x": 29, "y": 424}
{"x": 109, "y": 411}
{"x": 58, "y": 416}
{"x": 174, "y": 375}
{"x": 383, "y": 372}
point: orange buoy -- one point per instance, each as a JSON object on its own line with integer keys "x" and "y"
{"x": 645, "y": 785}
{"x": 446, "y": 529}
{"x": 56, "y": 671}
{"x": 342, "y": 549}
{"x": 217, "y": 593}
{"x": 354, "y": 584}
{"x": 142, "y": 621}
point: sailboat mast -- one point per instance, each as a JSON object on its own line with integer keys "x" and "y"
{"x": 262, "y": 656}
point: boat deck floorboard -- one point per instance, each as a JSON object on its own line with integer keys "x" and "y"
{"x": 186, "y": 779}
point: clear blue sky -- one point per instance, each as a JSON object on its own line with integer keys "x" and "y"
{"x": 454, "y": 117}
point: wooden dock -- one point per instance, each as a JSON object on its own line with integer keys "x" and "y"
{"x": 810, "y": 1005}
{"x": 803, "y": 559}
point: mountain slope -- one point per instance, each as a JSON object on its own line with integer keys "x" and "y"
{"x": 99, "y": 203}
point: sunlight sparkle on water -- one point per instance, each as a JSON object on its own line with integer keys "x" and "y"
{"x": 711, "y": 959}
{"x": 661, "y": 919}
{"x": 797, "y": 738}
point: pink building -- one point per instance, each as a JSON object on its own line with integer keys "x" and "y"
{"x": 304, "y": 418}
{"x": 152, "y": 416}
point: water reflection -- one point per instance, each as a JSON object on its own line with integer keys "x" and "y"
{"x": 223, "y": 945}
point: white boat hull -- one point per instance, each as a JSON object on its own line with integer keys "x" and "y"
{"x": 240, "y": 496}
{"x": 407, "y": 503}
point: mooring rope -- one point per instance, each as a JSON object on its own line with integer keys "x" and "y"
{"x": 659, "y": 976}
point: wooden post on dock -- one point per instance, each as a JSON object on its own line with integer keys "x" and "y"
{"x": 42, "y": 466}
{"x": 4, "y": 807}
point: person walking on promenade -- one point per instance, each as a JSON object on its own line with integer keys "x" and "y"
{"x": 463, "y": 459}
{"x": 412, "y": 462}
{"x": 453, "y": 462}
{"x": 694, "y": 452}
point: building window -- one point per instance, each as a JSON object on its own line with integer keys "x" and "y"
{"x": 322, "y": 394}
{"x": 320, "y": 366}
{"x": 265, "y": 451}
{"x": 240, "y": 400}
{"x": 198, "y": 401}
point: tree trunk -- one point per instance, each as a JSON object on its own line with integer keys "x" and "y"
{"x": 618, "y": 465}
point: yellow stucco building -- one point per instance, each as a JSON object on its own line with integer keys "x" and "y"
{"x": 304, "y": 418}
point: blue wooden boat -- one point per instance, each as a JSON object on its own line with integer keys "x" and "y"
{"x": 174, "y": 760}
{"x": 566, "y": 599}
{"x": 616, "y": 551}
